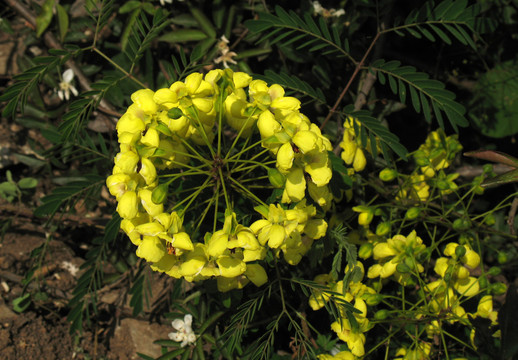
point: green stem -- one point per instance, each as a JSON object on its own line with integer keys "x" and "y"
{"x": 118, "y": 67}
{"x": 198, "y": 155}
{"x": 222, "y": 180}
{"x": 246, "y": 191}
{"x": 191, "y": 197}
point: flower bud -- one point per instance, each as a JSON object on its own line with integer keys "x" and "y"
{"x": 402, "y": 268}
{"x": 159, "y": 193}
{"x": 412, "y": 213}
{"x": 175, "y": 113}
{"x": 381, "y": 314}
{"x": 461, "y": 224}
{"x": 494, "y": 271}
{"x": 498, "y": 288}
{"x": 387, "y": 174}
{"x": 372, "y": 299}
{"x": 502, "y": 257}
{"x": 365, "y": 251}
{"x": 383, "y": 228}
{"x": 460, "y": 251}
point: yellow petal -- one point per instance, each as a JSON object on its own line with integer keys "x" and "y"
{"x": 144, "y": 100}
{"x": 230, "y": 266}
{"x": 256, "y": 274}
{"x": 296, "y": 184}
{"x": 151, "y": 249}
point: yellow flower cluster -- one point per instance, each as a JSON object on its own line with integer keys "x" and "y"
{"x": 356, "y": 294}
{"x": 435, "y": 155}
{"x": 191, "y": 129}
{"x": 399, "y": 256}
{"x": 437, "y": 152}
{"x": 454, "y": 277}
{"x": 291, "y": 231}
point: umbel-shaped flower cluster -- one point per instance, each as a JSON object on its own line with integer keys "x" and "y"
{"x": 191, "y": 158}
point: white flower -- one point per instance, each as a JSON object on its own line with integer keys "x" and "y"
{"x": 319, "y": 10}
{"x": 184, "y": 333}
{"x": 226, "y": 54}
{"x": 65, "y": 86}
{"x": 163, "y": 2}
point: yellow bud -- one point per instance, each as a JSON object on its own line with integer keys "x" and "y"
{"x": 128, "y": 205}
{"x": 285, "y": 157}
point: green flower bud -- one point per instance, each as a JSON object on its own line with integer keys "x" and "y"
{"x": 175, "y": 113}
{"x": 383, "y": 228}
{"x": 412, "y": 213}
{"x": 443, "y": 185}
{"x": 277, "y": 179}
{"x": 490, "y": 220}
{"x": 387, "y": 174}
{"x": 483, "y": 283}
{"x": 372, "y": 299}
{"x": 402, "y": 268}
{"x": 494, "y": 271}
{"x": 159, "y": 194}
{"x": 377, "y": 286}
{"x": 460, "y": 251}
{"x": 365, "y": 251}
{"x": 381, "y": 314}
{"x": 461, "y": 224}
{"x": 498, "y": 288}
{"x": 502, "y": 257}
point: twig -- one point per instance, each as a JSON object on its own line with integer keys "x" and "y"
{"x": 512, "y": 214}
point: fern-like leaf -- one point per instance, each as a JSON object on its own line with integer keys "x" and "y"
{"x": 16, "y": 95}
{"x": 239, "y": 322}
{"x": 85, "y": 293}
{"x": 426, "y": 95}
{"x": 143, "y": 34}
{"x": 80, "y": 110}
{"x": 67, "y": 195}
{"x": 289, "y": 27}
{"x": 450, "y": 18}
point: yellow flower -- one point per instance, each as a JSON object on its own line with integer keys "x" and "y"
{"x": 485, "y": 309}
